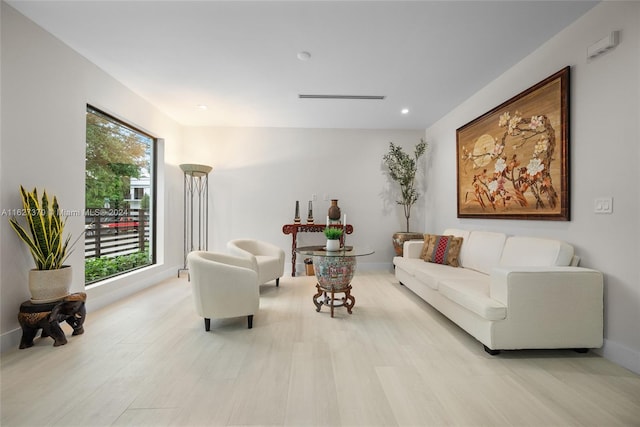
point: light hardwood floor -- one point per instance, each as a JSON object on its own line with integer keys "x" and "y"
{"x": 147, "y": 361}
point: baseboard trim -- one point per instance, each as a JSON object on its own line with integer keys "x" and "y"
{"x": 119, "y": 287}
{"x": 10, "y": 339}
{"x": 620, "y": 355}
{"x": 375, "y": 266}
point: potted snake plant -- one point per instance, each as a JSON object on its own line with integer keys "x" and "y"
{"x": 402, "y": 168}
{"x": 44, "y": 236}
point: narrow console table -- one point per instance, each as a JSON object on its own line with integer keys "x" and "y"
{"x": 294, "y": 229}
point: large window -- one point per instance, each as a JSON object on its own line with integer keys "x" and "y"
{"x": 119, "y": 197}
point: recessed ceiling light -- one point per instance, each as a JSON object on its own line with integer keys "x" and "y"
{"x": 304, "y": 56}
{"x": 202, "y": 107}
{"x": 405, "y": 111}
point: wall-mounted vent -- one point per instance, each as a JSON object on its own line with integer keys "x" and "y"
{"x": 603, "y": 45}
{"x": 369, "y": 97}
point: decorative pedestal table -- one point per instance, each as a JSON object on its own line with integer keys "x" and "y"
{"x": 334, "y": 271}
{"x": 48, "y": 316}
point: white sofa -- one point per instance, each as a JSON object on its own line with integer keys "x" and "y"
{"x": 511, "y": 292}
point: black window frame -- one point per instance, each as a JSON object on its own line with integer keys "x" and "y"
{"x": 153, "y": 231}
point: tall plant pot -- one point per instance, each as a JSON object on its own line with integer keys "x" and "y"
{"x": 402, "y": 236}
{"x": 50, "y": 285}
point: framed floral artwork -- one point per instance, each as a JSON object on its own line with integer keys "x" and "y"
{"x": 513, "y": 161}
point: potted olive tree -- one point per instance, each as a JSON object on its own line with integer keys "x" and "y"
{"x": 402, "y": 168}
{"x": 43, "y": 234}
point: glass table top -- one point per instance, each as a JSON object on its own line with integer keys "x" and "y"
{"x": 342, "y": 252}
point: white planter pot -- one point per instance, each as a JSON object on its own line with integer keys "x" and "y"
{"x": 333, "y": 245}
{"x": 49, "y": 285}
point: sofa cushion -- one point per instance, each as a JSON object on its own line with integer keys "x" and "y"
{"x": 441, "y": 249}
{"x": 431, "y": 274}
{"x": 535, "y": 252}
{"x": 409, "y": 265}
{"x": 482, "y": 250}
{"x": 473, "y": 294}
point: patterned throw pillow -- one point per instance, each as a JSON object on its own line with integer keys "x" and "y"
{"x": 441, "y": 249}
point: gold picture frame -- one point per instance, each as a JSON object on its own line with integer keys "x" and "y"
{"x": 513, "y": 161}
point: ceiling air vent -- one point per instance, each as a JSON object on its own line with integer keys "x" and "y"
{"x": 371, "y": 97}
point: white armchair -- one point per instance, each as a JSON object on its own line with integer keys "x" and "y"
{"x": 223, "y": 286}
{"x": 267, "y": 259}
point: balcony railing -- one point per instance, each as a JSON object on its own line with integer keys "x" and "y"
{"x": 114, "y": 232}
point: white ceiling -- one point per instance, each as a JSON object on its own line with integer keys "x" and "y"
{"x": 240, "y": 57}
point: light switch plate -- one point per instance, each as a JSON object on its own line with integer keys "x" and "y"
{"x": 603, "y": 205}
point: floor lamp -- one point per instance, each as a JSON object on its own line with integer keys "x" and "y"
{"x": 196, "y": 209}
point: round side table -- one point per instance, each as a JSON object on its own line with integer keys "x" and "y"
{"x": 334, "y": 271}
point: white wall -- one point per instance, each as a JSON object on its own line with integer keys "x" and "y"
{"x": 604, "y": 147}
{"x": 45, "y": 89}
{"x": 259, "y": 173}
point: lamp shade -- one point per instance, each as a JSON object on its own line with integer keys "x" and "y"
{"x": 195, "y": 170}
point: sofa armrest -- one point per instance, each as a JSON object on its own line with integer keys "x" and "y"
{"x": 412, "y": 249}
{"x": 552, "y": 302}
{"x": 553, "y": 280}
